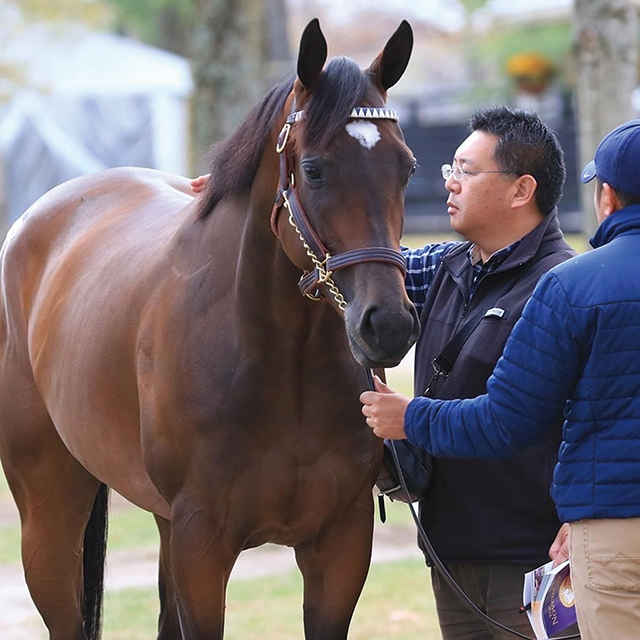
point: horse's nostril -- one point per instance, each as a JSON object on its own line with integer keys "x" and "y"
{"x": 368, "y": 326}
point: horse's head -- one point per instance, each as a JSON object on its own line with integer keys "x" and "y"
{"x": 344, "y": 174}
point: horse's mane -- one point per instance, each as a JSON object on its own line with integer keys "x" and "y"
{"x": 235, "y": 160}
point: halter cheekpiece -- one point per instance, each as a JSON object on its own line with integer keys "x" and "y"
{"x": 325, "y": 264}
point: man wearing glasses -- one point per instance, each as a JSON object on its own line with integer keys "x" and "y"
{"x": 490, "y": 521}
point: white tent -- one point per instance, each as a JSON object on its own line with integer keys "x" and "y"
{"x": 89, "y": 100}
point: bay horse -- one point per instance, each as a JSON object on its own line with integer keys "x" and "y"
{"x": 157, "y": 343}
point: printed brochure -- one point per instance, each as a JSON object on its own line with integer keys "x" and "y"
{"x": 548, "y": 600}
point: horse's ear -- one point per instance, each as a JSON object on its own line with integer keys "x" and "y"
{"x": 389, "y": 66}
{"x": 312, "y": 54}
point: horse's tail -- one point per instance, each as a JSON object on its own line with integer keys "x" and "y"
{"x": 95, "y": 551}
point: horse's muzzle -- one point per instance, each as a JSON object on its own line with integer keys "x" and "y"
{"x": 379, "y": 337}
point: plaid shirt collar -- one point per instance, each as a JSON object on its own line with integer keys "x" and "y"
{"x": 481, "y": 269}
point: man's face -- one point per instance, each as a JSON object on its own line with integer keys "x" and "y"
{"x": 477, "y": 202}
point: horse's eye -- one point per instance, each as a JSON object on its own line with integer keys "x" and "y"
{"x": 411, "y": 174}
{"x": 312, "y": 173}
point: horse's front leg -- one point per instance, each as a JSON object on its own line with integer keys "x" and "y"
{"x": 334, "y": 567}
{"x": 202, "y": 557}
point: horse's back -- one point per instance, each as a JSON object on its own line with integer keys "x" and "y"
{"x": 113, "y": 210}
{"x": 85, "y": 238}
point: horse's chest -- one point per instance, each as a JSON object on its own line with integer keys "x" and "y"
{"x": 294, "y": 502}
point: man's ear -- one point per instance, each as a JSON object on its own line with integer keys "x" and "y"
{"x": 608, "y": 202}
{"x": 525, "y": 191}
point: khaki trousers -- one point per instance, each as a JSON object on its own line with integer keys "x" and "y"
{"x": 605, "y": 573}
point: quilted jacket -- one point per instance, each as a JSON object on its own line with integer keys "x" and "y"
{"x": 576, "y": 349}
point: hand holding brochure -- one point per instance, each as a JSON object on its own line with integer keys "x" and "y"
{"x": 548, "y": 599}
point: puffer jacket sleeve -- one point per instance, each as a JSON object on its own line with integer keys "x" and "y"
{"x": 525, "y": 395}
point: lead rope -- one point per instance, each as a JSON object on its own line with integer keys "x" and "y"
{"x": 433, "y": 556}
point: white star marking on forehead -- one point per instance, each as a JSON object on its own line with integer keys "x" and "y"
{"x": 366, "y": 133}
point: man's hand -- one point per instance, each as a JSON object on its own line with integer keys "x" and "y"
{"x": 559, "y": 550}
{"x": 384, "y": 410}
{"x": 198, "y": 184}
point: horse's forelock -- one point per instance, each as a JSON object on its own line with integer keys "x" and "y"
{"x": 234, "y": 161}
{"x": 340, "y": 87}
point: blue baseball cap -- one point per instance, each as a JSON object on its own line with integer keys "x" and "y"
{"x": 617, "y": 159}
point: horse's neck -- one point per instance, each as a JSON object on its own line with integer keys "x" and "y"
{"x": 240, "y": 278}
{"x": 266, "y": 288}
{"x": 244, "y": 261}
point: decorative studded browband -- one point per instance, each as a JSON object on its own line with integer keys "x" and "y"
{"x": 370, "y": 113}
{"x": 325, "y": 264}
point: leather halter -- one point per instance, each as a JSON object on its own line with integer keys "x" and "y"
{"x": 325, "y": 264}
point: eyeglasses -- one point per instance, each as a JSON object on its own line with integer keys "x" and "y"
{"x": 458, "y": 173}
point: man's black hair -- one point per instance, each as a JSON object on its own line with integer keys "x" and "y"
{"x": 526, "y": 146}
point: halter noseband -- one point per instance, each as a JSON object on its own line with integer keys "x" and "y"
{"x": 325, "y": 264}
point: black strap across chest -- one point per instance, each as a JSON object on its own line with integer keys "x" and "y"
{"x": 443, "y": 363}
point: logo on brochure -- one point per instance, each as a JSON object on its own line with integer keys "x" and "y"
{"x": 566, "y": 593}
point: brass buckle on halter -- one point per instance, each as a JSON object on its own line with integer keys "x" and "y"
{"x": 323, "y": 273}
{"x": 283, "y": 138}
{"x": 315, "y": 297}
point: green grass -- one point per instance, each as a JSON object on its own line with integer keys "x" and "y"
{"x": 400, "y": 379}
{"x": 396, "y": 603}
{"x": 398, "y": 515}
{"x": 133, "y": 528}
{"x": 129, "y": 528}
{"x": 578, "y": 241}
{"x": 9, "y": 543}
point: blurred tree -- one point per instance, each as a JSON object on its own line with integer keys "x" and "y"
{"x": 551, "y": 39}
{"x": 163, "y": 23}
{"x": 239, "y": 48}
{"x": 499, "y": 38}
{"x": 606, "y": 43}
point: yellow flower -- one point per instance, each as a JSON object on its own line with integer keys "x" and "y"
{"x": 529, "y": 65}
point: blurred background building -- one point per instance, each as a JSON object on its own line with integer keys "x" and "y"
{"x": 89, "y": 84}
{"x": 95, "y": 100}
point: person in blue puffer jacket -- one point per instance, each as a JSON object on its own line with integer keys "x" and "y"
{"x": 575, "y": 350}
